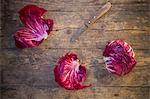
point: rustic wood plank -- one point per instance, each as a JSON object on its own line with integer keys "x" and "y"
{"x": 97, "y": 39}
{"x": 84, "y": 2}
{"x": 90, "y": 39}
{"x": 77, "y": 6}
{"x": 26, "y": 92}
{"x": 35, "y": 67}
{"x": 112, "y": 21}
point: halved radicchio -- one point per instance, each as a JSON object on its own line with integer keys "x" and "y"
{"x": 69, "y": 73}
{"x": 36, "y": 28}
{"x": 119, "y": 57}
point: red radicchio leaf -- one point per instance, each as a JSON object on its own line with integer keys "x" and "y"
{"x": 119, "y": 57}
{"x": 36, "y": 28}
{"x": 69, "y": 73}
{"x": 30, "y": 11}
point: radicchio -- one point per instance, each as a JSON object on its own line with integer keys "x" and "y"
{"x": 119, "y": 57}
{"x": 36, "y": 28}
{"x": 69, "y": 73}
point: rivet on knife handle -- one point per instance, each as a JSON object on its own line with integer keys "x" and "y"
{"x": 87, "y": 24}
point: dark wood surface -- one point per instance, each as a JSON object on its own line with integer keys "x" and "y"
{"x": 28, "y": 73}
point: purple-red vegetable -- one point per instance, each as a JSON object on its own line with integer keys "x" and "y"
{"x": 119, "y": 57}
{"x": 35, "y": 29}
{"x": 69, "y": 73}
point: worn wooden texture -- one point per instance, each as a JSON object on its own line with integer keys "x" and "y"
{"x": 28, "y": 73}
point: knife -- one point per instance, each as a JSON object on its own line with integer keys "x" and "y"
{"x": 87, "y": 24}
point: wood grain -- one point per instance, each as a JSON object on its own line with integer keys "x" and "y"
{"x": 26, "y": 92}
{"x": 36, "y": 66}
{"x": 28, "y": 73}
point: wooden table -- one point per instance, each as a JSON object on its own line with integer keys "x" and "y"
{"x": 28, "y": 73}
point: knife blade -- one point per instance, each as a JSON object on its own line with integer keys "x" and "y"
{"x": 103, "y": 10}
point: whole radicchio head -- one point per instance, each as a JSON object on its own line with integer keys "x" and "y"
{"x": 69, "y": 73}
{"x": 119, "y": 57}
{"x": 36, "y": 28}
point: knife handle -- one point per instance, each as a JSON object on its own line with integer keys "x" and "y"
{"x": 100, "y": 13}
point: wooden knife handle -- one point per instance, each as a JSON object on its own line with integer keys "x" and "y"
{"x": 100, "y": 13}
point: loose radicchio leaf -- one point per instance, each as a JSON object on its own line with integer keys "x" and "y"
{"x": 36, "y": 28}
{"x": 119, "y": 57}
{"x": 69, "y": 73}
{"x": 30, "y": 11}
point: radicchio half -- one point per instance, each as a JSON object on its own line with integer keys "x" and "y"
{"x": 69, "y": 73}
{"x": 119, "y": 57}
{"x": 36, "y": 28}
